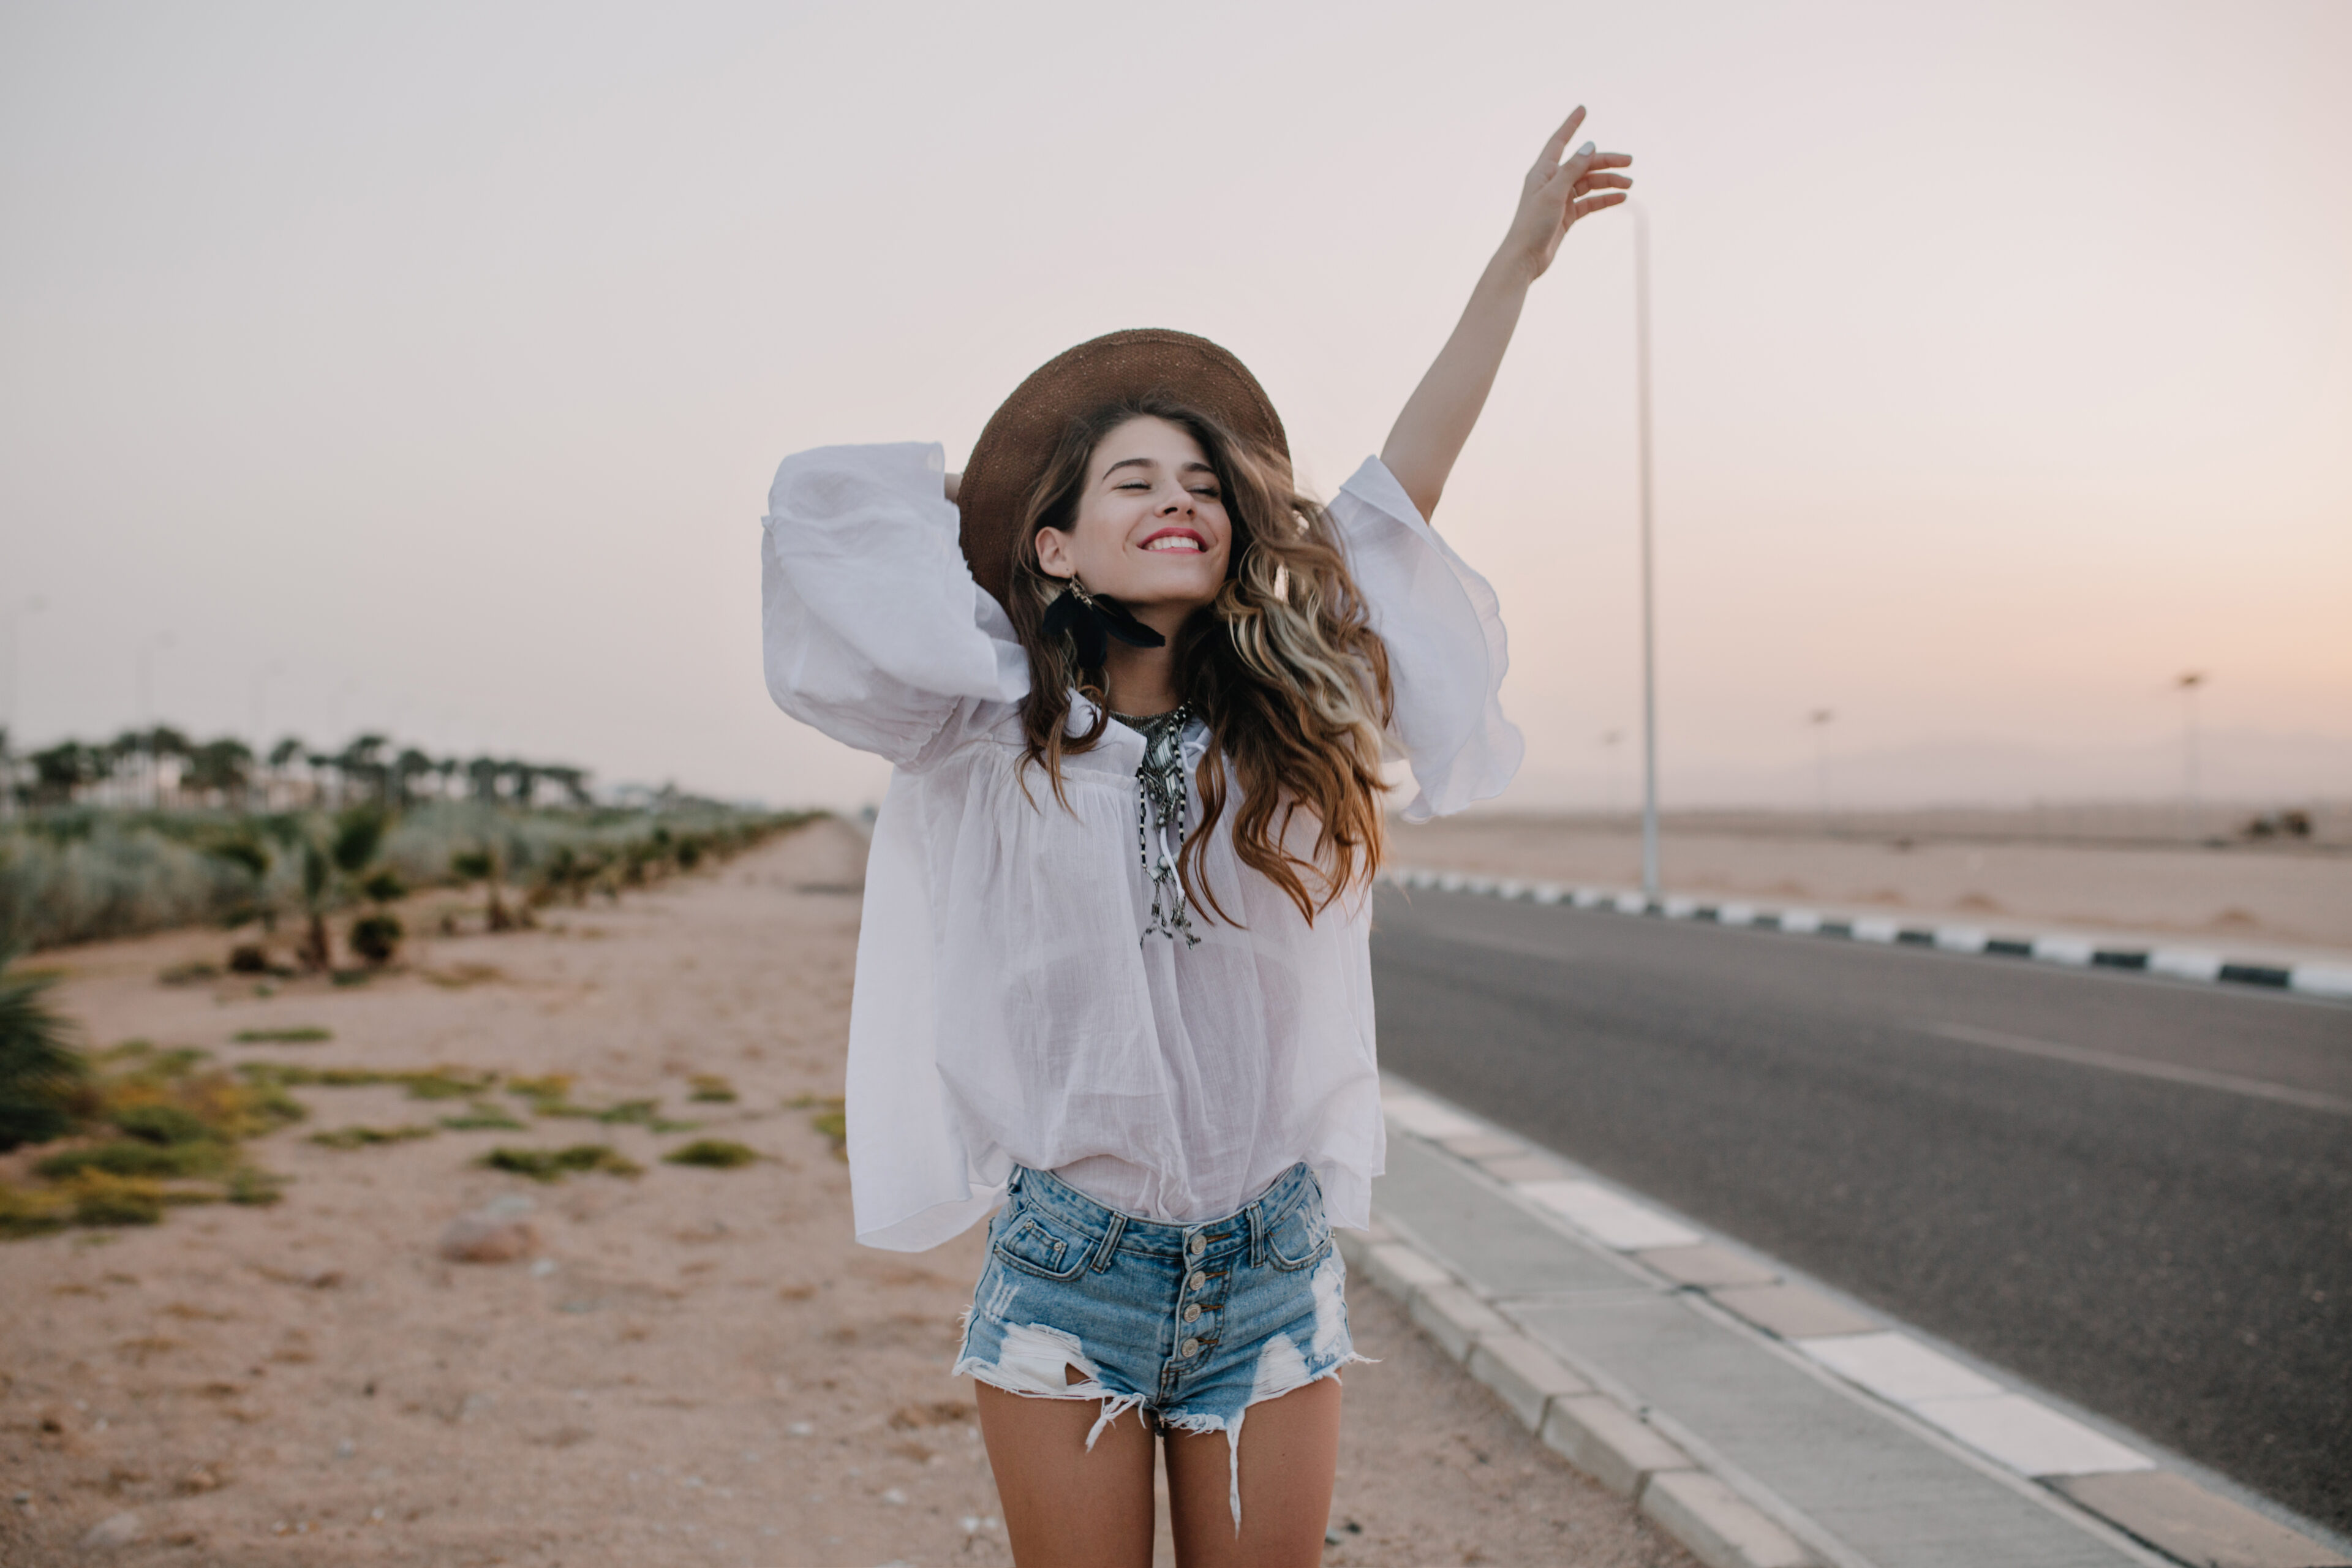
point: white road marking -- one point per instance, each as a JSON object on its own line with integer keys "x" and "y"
{"x": 2138, "y": 1067}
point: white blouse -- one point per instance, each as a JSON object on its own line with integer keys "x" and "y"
{"x": 1008, "y": 1004}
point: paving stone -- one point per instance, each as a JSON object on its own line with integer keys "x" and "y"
{"x": 2029, "y": 1436}
{"x": 1483, "y": 1145}
{"x": 1610, "y": 1217}
{"x": 1895, "y": 1366}
{"x": 1792, "y": 1311}
{"x": 1609, "y": 1443}
{"x": 2175, "y": 1514}
{"x": 1706, "y": 1265}
{"x": 1718, "y": 1526}
{"x": 1527, "y": 1376}
{"x": 1456, "y": 1318}
{"x": 1400, "y": 1270}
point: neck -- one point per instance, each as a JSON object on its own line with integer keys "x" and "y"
{"x": 1141, "y": 681}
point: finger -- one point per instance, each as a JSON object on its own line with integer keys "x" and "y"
{"x": 1591, "y": 204}
{"x": 1591, "y": 183}
{"x": 1550, "y": 158}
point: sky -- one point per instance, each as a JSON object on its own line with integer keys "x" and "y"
{"x": 422, "y": 368}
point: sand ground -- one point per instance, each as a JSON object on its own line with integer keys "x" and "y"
{"x": 2235, "y": 900}
{"x": 697, "y": 1367}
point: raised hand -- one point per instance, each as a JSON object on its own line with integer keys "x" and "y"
{"x": 1560, "y": 189}
{"x": 1437, "y": 418}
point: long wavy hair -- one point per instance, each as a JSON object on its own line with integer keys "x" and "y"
{"x": 1283, "y": 667}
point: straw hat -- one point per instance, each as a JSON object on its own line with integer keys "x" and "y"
{"x": 1020, "y": 437}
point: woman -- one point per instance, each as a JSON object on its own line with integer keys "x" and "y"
{"x": 1113, "y": 982}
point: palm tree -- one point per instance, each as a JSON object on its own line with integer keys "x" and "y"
{"x": 162, "y": 742}
{"x": 225, "y": 766}
{"x": 288, "y": 751}
{"x": 410, "y": 763}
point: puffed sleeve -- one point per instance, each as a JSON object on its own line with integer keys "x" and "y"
{"x": 873, "y": 628}
{"x": 1443, "y": 628}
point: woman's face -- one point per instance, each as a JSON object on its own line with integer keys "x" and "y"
{"x": 1150, "y": 529}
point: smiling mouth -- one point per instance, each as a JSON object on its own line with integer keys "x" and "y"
{"x": 1191, "y": 543}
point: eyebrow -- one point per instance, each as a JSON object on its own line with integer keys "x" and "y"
{"x": 1149, "y": 462}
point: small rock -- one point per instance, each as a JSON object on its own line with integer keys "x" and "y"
{"x": 542, "y": 1268}
{"x": 115, "y": 1529}
{"x": 198, "y": 1479}
{"x": 894, "y": 1497}
{"x": 346, "y": 1449}
{"x": 488, "y": 1237}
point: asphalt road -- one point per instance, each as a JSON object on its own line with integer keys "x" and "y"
{"x": 2134, "y": 1191}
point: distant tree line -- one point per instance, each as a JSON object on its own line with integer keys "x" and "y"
{"x": 163, "y": 767}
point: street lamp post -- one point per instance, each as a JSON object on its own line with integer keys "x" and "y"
{"x": 1820, "y": 720}
{"x": 1649, "y": 634}
{"x": 146, "y": 680}
{"x": 2187, "y": 683}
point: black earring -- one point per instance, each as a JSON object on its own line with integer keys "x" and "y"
{"x": 1092, "y": 620}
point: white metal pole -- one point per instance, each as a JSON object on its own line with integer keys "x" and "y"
{"x": 1649, "y": 632}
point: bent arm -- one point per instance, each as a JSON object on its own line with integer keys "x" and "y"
{"x": 1437, "y": 420}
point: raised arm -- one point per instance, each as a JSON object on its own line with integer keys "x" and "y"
{"x": 1437, "y": 418}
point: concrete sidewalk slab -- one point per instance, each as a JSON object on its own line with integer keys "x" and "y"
{"x": 1763, "y": 1422}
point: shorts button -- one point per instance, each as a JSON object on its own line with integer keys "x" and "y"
{"x": 1195, "y": 1282}
{"x": 1192, "y": 1312}
{"x": 1191, "y": 1348}
{"x": 1194, "y": 1245}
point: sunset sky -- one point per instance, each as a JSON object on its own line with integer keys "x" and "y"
{"x": 423, "y": 368}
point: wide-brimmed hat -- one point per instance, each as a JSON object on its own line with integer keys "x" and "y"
{"x": 1021, "y": 436}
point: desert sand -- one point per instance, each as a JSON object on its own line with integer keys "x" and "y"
{"x": 688, "y": 1366}
{"x": 2238, "y": 901}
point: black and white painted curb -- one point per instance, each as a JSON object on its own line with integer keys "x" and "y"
{"x": 1726, "y": 1519}
{"x": 2328, "y": 980}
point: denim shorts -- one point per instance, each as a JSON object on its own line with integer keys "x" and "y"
{"x": 1192, "y": 1323}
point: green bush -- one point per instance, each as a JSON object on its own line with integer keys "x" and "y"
{"x": 713, "y": 1154}
{"x": 41, "y": 1070}
{"x": 555, "y": 1165}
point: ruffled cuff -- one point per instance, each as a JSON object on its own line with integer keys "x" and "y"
{"x": 1447, "y": 651}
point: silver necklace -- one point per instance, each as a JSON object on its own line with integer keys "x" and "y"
{"x": 1160, "y": 804}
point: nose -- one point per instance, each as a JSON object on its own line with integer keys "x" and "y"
{"x": 1178, "y": 504}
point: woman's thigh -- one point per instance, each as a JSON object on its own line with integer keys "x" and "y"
{"x": 1289, "y": 1455}
{"x": 1066, "y": 1505}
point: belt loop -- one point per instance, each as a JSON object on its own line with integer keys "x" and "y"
{"x": 1257, "y": 1213}
{"x": 1109, "y": 1245}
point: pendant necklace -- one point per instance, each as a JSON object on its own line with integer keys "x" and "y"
{"x": 1159, "y": 806}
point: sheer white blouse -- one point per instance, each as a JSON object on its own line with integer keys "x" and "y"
{"x": 1008, "y": 1004}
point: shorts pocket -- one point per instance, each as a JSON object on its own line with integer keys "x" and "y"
{"x": 1036, "y": 1247}
{"x": 1300, "y": 1238}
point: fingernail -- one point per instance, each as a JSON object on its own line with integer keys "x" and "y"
{"x": 1584, "y": 150}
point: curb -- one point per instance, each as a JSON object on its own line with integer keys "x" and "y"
{"x": 1600, "y": 1437}
{"x": 2332, "y": 981}
{"x": 1643, "y": 1455}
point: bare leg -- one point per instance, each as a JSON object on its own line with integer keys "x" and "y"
{"x": 1066, "y": 1506}
{"x": 1289, "y": 1455}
